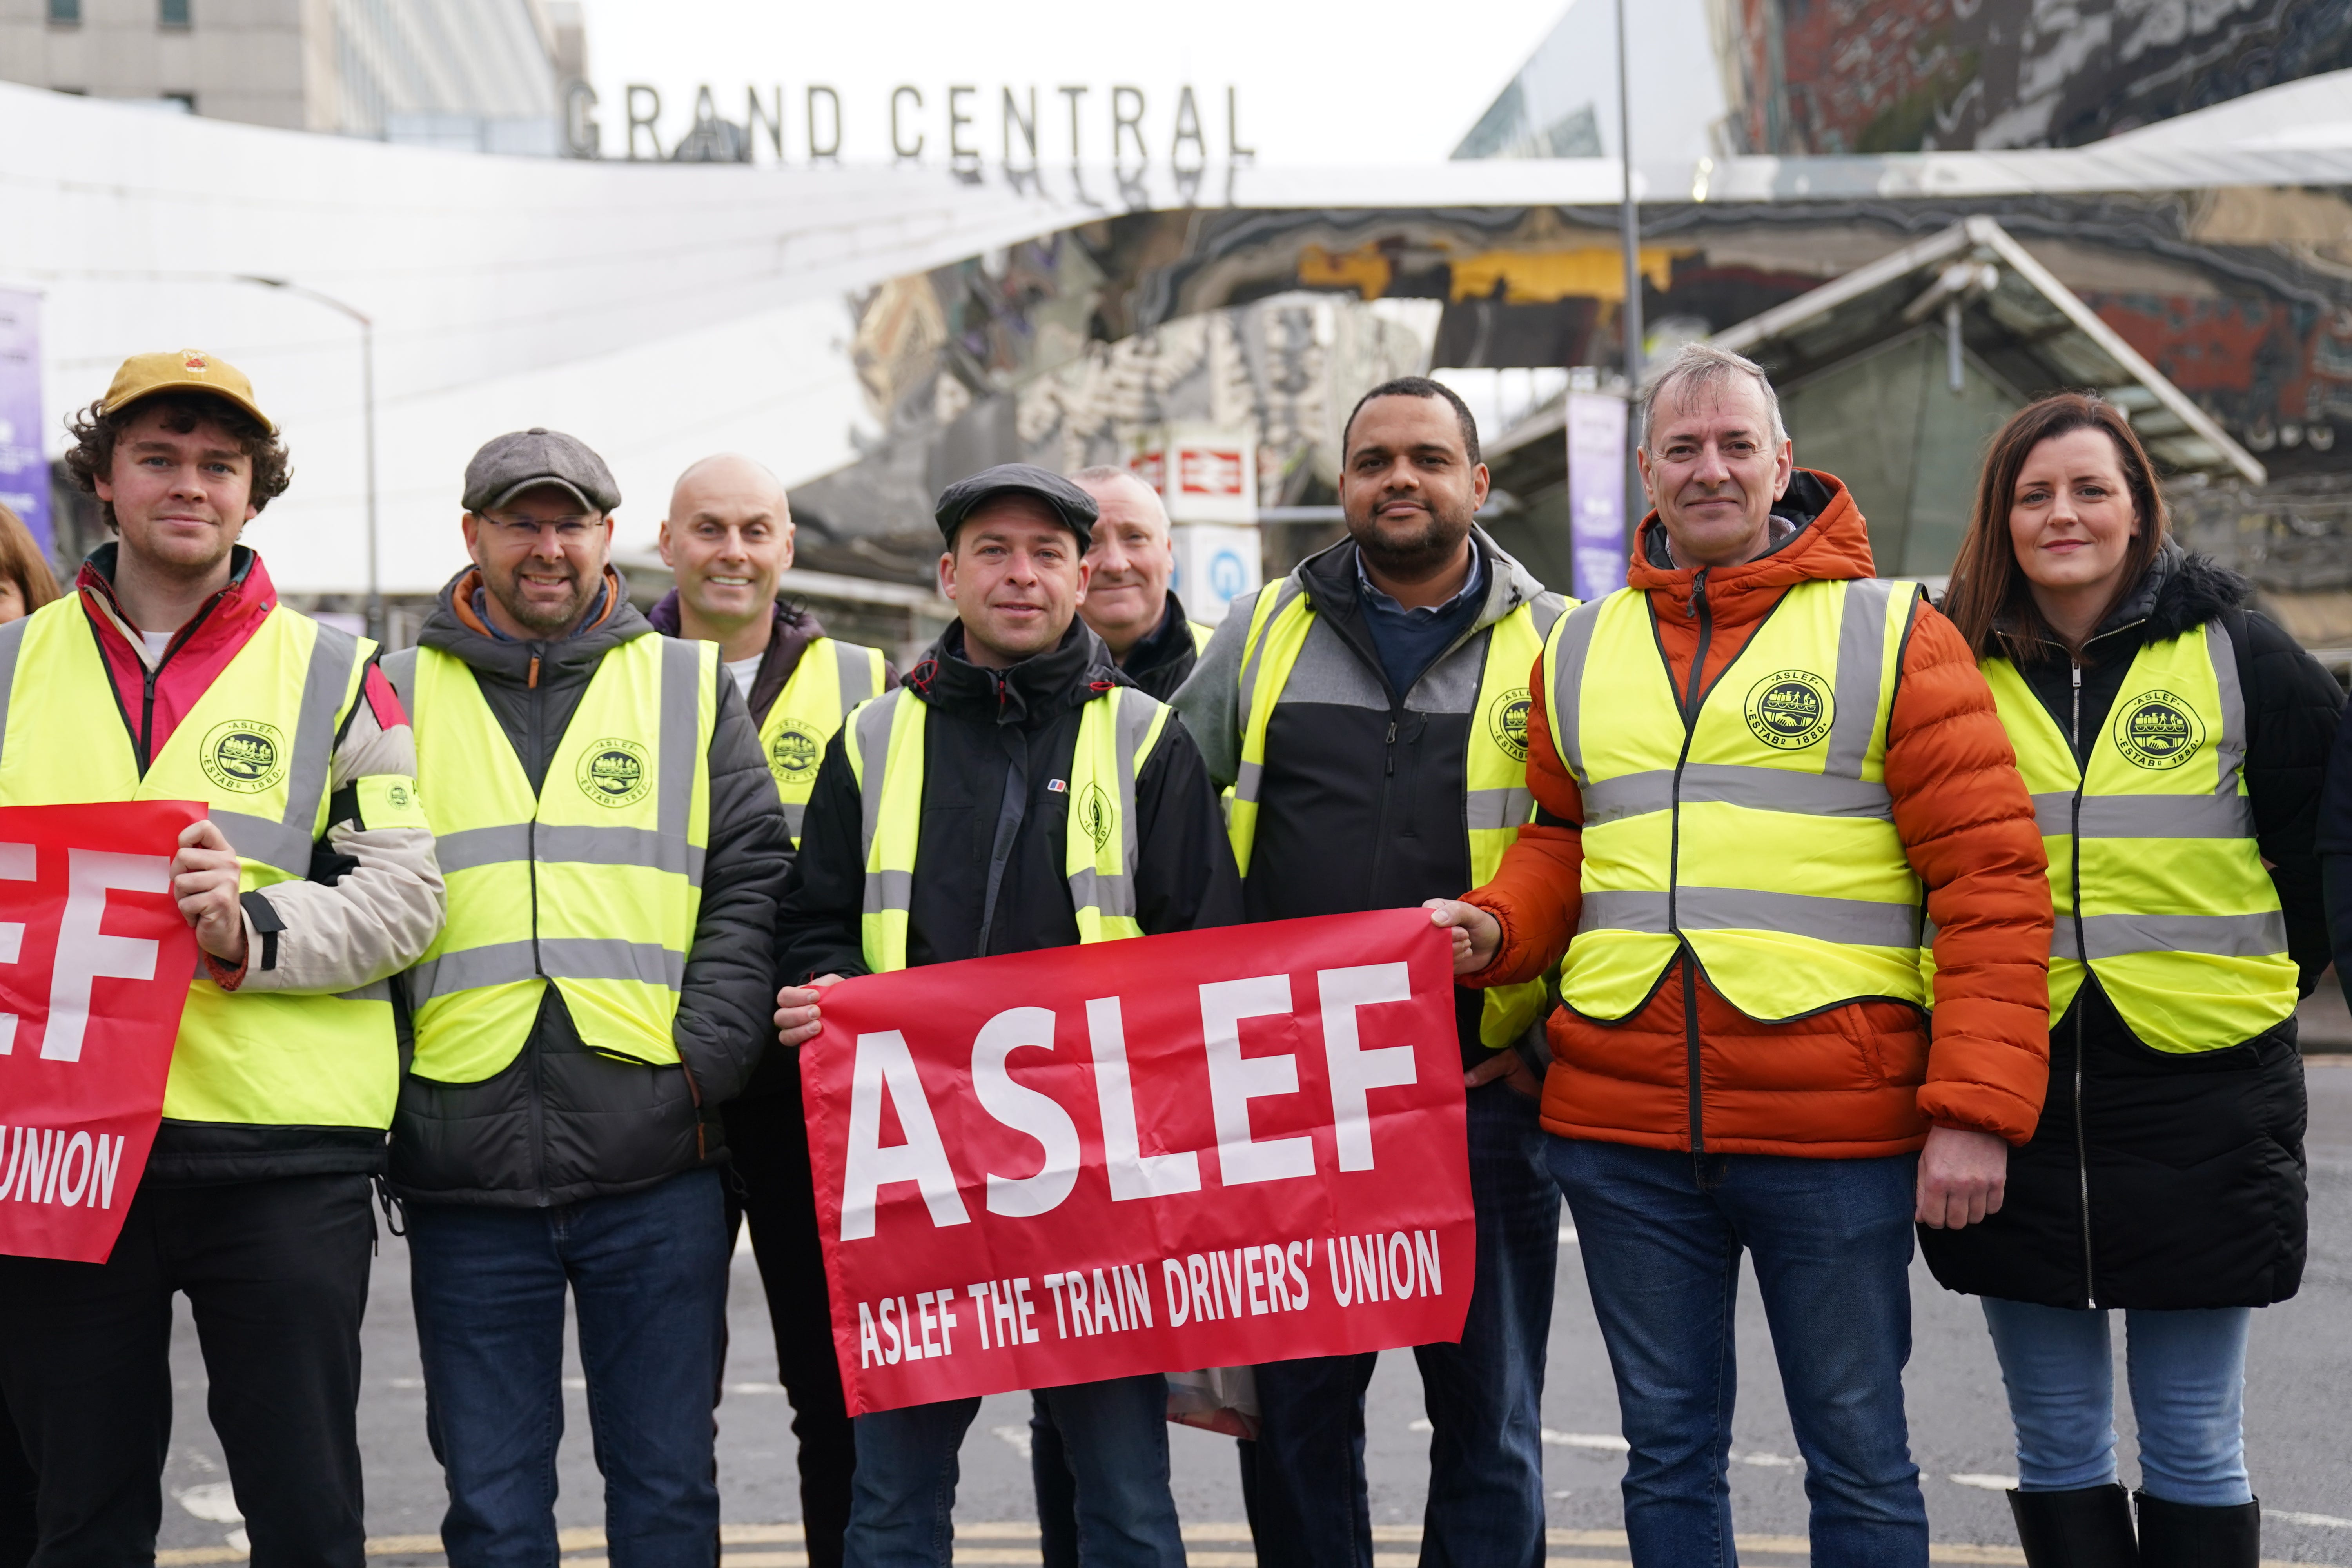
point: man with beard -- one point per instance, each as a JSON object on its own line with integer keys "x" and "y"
{"x": 614, "y": 849}
{"x": 1128, "y": 603}
{"x": 1370, "y": 711}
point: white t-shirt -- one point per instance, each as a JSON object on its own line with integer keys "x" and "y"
{"x": 744, "y": 669}
{"x": 157, "y": 642}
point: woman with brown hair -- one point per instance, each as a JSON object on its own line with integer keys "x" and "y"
{"x": 2173, "y": 741}
{"x": 25, "y": 583}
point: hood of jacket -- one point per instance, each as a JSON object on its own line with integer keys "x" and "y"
{"x": 1067, "y": 674}
{"x": 1329, "y": 578}
{"x": 457, "y": 628}
{"x": 1829, "y": 543}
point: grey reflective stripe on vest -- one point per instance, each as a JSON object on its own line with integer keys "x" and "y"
{"x": 857, "y": 677}
{"x": 551, "y": 843}
{"x": 11, "y": 641}
{"x": 1727, "y": 784}
{"x": 2258, "y": 935}
{"x": 1544, "y": 610}
{"x": 2230, "y": 755}
{"x": 1488, "y": 808}
{"x": 1847, "y": 923}
{"x": 285, "y": 845}
{"x": 1089, "y": 889}
{"x": 795, "y": 812}
{"x": 884, "y": 889}
{"x": 1248, "y": 774}
{"x": 681, "y": 728}
{"x": 549, "y": 958}
{"x": 2146, "y": 815}
{"x": 1567, "y": 682}
{"x": 1862, "y": 646}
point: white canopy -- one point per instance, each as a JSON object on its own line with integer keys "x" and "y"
{"x": 661, "y": 313}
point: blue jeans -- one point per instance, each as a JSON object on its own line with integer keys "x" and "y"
{"x": 1115, "y": 1434}
{"x": 1304, "y": 1477}
{"x": 648, "y": 1273}
{"x": 1832, "y": 1240}
{"x": 2187, "y": 1372}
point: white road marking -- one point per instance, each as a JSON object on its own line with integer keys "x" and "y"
{"x": 1568, "y": 1236}
{"x": 212, "y": 1502}
{"x": 2324, "y": 1520}
{"x": 1985, "y": 1483}
{"x": 1018, "y": 1436}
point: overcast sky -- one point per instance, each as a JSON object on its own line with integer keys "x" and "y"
{"x": 1379, "y": 81}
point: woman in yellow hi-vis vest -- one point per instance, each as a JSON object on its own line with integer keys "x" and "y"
{"x": 2173, "y": 741}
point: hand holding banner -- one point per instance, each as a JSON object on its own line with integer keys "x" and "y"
{"x": 1207, "y": 1149}
{"x": 94, "y": 966}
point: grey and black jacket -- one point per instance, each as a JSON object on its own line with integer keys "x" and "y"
{"x": 562, "y": 1123}
{"x": 1360, "y": 804}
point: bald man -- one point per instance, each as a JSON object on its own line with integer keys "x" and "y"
{"x": 1127, "y": 601}
{"x": 728, "y": 540}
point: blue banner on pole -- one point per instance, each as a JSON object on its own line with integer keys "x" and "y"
{"x": 1596, "y": 491}
{"x": 24, "y": 472}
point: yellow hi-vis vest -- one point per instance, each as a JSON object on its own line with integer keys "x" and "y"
{"x": 1496, "y": 803}
{"x": 592, "y": 884}
{"x": 2154, "y": 873}
{"x": 257, "y": 748}
{"x": 1117, "y": 732}
{"x": 1757, "y": 831}
{"x": 1201, "y": 635}
{"x": 832, "y": 678}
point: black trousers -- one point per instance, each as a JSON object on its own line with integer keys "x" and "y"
{"x": 277, "y": 1274}
{"x": 768, "y": 1142}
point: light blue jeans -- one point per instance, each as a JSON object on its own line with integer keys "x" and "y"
{"x": 2188, "y": 1373}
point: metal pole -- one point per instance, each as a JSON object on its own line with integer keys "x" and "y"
{"x": 1629, "y": 216}
{"x": 367, "y": 416}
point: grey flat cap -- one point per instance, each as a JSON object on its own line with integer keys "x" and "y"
{"x": 524, "y": 459}
{"x": 1072, "y": 505}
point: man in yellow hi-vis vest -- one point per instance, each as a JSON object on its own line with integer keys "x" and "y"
{"x": 173, "y": 673}
{"x": 1131, "y": 566}
{"x": 947, "y": 824}
{"x": 728, "y": 540}
{"x": 1371, "y": 711}
{"x": 614, "y": 848}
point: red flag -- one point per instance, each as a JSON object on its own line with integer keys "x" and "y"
{"x": 94, "y": 966}
{"x": 1207, "y": 1149}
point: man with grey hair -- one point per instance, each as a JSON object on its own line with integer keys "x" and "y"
{"x": 1752, "y": 767}
{"x": 1128, "y": 602}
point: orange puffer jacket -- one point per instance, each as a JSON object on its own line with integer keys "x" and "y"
{"x": 1865, "y": 1079}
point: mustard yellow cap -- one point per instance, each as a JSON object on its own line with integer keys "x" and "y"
{"x": 183, "y": 370}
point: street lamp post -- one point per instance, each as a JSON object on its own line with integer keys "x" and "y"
{"x": 1629, "y": 218}
{"x": 367, "y": 423}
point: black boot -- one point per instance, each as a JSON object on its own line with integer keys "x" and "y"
{"x": 2180, "y": 1535}
{"x": 2090, "y": 1528}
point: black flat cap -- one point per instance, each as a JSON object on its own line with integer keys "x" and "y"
{"x": 1072, "y": 505}
{"x": 521, "y": 460}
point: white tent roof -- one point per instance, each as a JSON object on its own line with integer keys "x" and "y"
{"x": 662, "y": 312}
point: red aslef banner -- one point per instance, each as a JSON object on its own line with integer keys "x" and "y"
{"x": 94, "y": 966}
{"x": 1208, "y": 1149}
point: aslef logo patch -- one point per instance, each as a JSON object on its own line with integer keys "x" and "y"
{"x": 615, "y": 771}
{"x": 1096, "y": 815}
{"x": 1506, "y": 722}
{"x": 795, "y": 751}
{"x": 2158, "y": 730}
{"x": 243, "y": 756}
{"x": 1790, "y": 709}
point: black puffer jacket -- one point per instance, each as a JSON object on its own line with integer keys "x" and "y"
{"x": 989, "y": 876}
{"x": 2158, "y": 1180}
{"x": 1159, "y": 661}
{"x": 563, "y": 1123}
